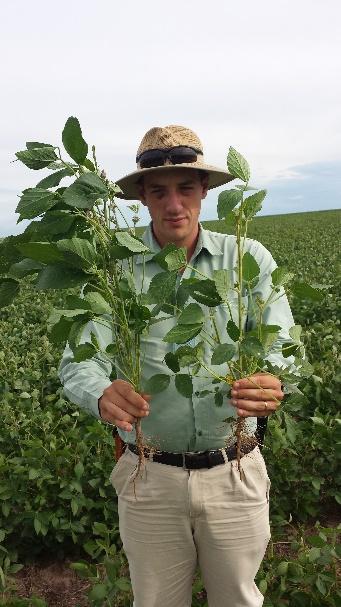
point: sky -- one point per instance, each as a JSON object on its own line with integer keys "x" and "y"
{"x": 264, "y": 77}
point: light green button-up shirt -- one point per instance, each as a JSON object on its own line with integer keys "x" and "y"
{"x": 176, "y": 423}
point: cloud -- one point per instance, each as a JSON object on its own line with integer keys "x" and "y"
{"x": 262, "y": 77}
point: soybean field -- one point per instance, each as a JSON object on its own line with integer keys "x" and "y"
{"x": 59, "y": 539}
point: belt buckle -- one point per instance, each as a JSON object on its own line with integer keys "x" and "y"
{"x": 184, "y": 453}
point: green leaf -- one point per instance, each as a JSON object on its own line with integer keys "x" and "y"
{"x": 25, "y": 267}
{"x": 289, "y": 349}
{"x": 295, "y": 333}
{"x": 79, "y": 470}
{"x": 59, "y": 332}
{"x": 97, "y": 303}
{"x": 188, "y": 355}
{"x": 237, "y": 165}
{"x": 263, "y": 586}
{"x": 218, "y": 399}
{"x": 171, "y": 257}
{"x": 232, "y": 330}
{"x": 251, "y": 268}
{"x": 204, "y": 291}
{"x": 51, "y": 181}
{"x": 223, "y": 353}
{"x": 157, "y": 383}
{"x": 84, "y": 352}
{"x": 304, "y": 291}
{"x": 76, "y": 331}
{"x": 59, "y": 276}
{"x": 282, "y": 568}
{"x": 320, "y": 585}
{"x": 191, "y": 315}
{"x": 222, "y": 282}
{"x": 36, "y": 144}
{"x": 88, "y": 164}
{"x": 37, "y": 158}
{"x": 33, "y": 474}
{"x": 34, "y": 202}
{"x": 227, "y": 200}
{"x": 119, "y": 252}
{"x": 162, "y": 287}
{"x": 9, "y": 288}
{"x": 184, "y": 384}
{"x": 74, "y": 506}
{"x": 251, "y": 346}
{"x": 172, "y": 362}
{"x": 131, "y": 242}
{"x": 54, "y": 222}
{"x": 280, "y": 276}
{"x": 182, "y": 333}
{"x": 78, "y": 251}
{"x": 268, "y": 334}
{"x": 85, "y": 191}
{"x": 98, "y": 592}
{"x": 73, "y": 302}
{"x": 318, "y": 421}
{"x": 253, "y": 204}
{"x": 123, "y": 584}
{"x": 291, "y": 428}
{"x": 37, "y": 525}
{"x": 73, "y": 141}
{"x": 43, "y": 252}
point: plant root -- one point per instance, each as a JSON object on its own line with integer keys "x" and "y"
{"x": 140, "y": 448}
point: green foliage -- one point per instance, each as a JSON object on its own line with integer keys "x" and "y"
{"x": 73, "y": 140}
{"x": 306, "y": 576}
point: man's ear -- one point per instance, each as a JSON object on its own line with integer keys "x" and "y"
{"x": 204, "y": 184}
{"x": 142, "y": 196}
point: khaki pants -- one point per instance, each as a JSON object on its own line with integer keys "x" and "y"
{"x": 181, "y": 519}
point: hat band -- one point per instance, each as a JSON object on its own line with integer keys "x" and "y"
{"x": 176, "y": 155}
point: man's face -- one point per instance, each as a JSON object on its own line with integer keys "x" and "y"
{"x": 173, "y": 198}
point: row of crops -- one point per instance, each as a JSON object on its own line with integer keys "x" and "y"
{"x": 55, "y": 461}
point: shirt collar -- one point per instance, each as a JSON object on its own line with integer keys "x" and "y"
{"x": 206, "y": 241}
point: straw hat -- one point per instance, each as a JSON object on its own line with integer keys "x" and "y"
{"x": 165, "y": 138}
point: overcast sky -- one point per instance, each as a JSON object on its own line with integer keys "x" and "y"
{"x": 264, "y": 77}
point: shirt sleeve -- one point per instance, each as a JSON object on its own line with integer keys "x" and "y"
{"x": 278, "y": 312}
{"x": 84, "y": 382}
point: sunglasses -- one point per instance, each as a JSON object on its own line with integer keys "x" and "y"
{"x": 177, "y": 155}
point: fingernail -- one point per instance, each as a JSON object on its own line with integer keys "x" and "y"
{"x": 234, "y": 392}
{"x": 234, "y": 402}
{"x": 146, "y": 412}
{"x": 236, "y": 385}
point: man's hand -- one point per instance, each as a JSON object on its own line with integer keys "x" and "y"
{"x": 253, "y": 401}
{"x": 121, "y": 405}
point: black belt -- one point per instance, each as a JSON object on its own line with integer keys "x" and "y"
{"x": 192, "y": 460}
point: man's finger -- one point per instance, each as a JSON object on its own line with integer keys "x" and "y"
{"x": 127, "y": 392}
{"x": 256, "y": 394}
{"x": 251, "y": 408}
{"x": 264, "y": 381}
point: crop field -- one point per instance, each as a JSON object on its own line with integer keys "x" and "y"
{"x": 59, "y": 539}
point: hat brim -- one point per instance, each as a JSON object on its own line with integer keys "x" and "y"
{"x": 130, "y": 183}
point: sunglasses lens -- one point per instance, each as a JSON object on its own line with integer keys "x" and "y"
{"x": 177, "y": 155}
{"x": 152, "y": 158}
{"x": 182, "y": 155}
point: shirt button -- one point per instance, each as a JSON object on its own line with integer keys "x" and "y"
{"x": 199, "y": 433}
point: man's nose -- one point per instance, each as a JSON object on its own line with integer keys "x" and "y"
{"x": 174, "y": 200}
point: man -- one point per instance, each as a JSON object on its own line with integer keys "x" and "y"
{"x": 191, "y": 507}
